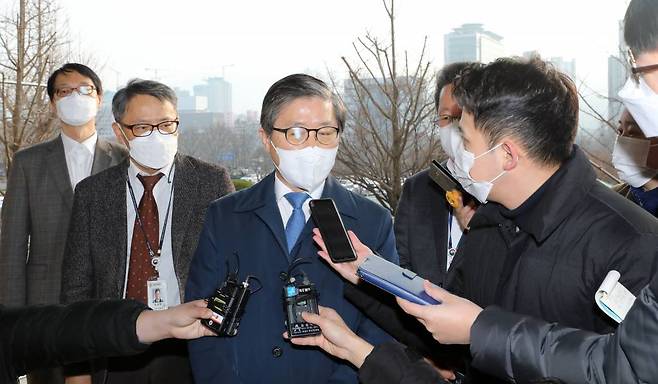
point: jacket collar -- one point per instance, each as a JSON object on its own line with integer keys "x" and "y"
{"x": 560, "y": 195}
{"x": 186, "y": 184}
{"x": 261, "y": 200}
{"x": 262, "y": 194}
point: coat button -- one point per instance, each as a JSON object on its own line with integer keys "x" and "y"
{"x": 283, "y": 276}
{"x": 277, "y": 351}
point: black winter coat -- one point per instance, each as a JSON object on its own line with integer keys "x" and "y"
{"x": 549, "y": 260}
{"x": 39, "y": 337}
{"x": 523, "y": 349}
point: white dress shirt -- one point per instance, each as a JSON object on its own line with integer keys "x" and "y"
{"x": 454, "y": 235}
{"x": 285, "y": 208}
{"x": 161, "y": 192}
{"x": 79, "y": 157}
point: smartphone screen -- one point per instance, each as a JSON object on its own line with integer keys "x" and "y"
{"x": 333, "y": 231}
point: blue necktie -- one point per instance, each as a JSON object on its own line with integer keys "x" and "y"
{"x": 297, "y": 220}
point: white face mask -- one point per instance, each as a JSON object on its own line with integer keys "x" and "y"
{"x": 642, "y": 102}
{"x": 306, "y": 168}
{"x": 155, "y": 150}
{"x": 629, "y": 158}
{"x": 451, "y": 139}
{"x": 76, "y": 109}
{"x": 461, "y": 167}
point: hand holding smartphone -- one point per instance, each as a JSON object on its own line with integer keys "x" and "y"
{"x": 338, "y": 243}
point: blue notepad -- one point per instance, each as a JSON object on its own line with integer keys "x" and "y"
{"x": 394, "y": 279}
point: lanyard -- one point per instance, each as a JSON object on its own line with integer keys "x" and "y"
{"x": 155, "y": 256}
{"x": 451, "y": 251}
{"x": 450, "y": 248}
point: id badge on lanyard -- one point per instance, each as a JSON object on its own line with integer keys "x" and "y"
{"x": 157, "y": 294}
{"x": 156, "y": 288}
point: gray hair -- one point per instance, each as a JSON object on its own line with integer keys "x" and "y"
{"x": 293, "y": 87}
{"x": 140, "y": 87}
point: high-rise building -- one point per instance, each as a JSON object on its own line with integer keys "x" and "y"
{"x": 617, "y": 75}
{"x": 189, "y": 102}
{"x": 471, "y": 42}
{"x": 219, "y": 94}
{"x": 104, "y": 117}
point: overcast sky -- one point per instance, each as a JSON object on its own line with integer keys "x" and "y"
{"x": 262, "y": 41}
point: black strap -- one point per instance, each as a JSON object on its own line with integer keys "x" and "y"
{"x": 153, "y": 254}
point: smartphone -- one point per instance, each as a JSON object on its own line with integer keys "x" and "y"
{"x": 394, "y": 279}
{"x": 333, "y": 231}
{"x": 442, "y": 176}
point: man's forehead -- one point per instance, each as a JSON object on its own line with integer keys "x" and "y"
{"x": 72, "y": 77}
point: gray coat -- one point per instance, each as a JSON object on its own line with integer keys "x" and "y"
{"x": 35, "y": 218}
{"x": 95, "y": 257}
{"x": 523, "y": 349}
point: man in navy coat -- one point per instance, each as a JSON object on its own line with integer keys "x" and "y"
{"x": 267, "y": 227}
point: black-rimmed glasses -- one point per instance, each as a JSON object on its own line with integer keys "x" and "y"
{"x": 85, "y": 90}
{"x": 444, "y": 119}
{"x": 637, "y": 71}
{"x": 168, "y": 127}
{"x": 298, "y": 135}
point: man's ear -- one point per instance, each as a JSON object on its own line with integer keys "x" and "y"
{"x": 511, "y": 153}
{"x": 264, "y": 138}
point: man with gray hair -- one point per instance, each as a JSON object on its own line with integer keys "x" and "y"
{"x": 135, "y": 227}
{"x": 268, "y": 228}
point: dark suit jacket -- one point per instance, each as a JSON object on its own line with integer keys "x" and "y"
{"x": 249, "y": 224}
{"x": 421, "y": 227}
{"x": 95, "y": 257}
{"x": 36, "y": 211}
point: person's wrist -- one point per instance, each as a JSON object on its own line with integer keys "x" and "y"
{"x": 149, "y": 329}
{"x": 360, "y": 351}
{"x": 473, "y": 323}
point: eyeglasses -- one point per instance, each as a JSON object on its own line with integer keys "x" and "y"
{"x": 444, "y": 120}
{"x": 85, "y": 90}
{"x": 637, "y": 71}
{"x": 298, "y": 135}
{"x": 168, "y": 127}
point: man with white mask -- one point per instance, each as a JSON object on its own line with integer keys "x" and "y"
{"x": 629, "y": 157}
{"x": 266, "y": 228}
{"x": 39, "y": 197}
{"x": 548, "y": 231}
{"x": 135, "y": 227}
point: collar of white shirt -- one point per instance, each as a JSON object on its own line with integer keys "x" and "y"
{"x": 71, "y": 145}
{"x": 280, "y": 191}
{"x": 133, "y": 171}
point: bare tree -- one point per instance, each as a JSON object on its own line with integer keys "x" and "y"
{"x": 389, "y": 134}
{"x": 28, "y": 45}
{"x": 599, "y": 144}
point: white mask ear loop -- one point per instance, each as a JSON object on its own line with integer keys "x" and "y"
{"x": 484, "y": 153}
{"x": 500, "y": 174}
{"x": 497, "y": 177}
{"x": 123, "y": 134}
{"x": 278, "y": 154}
